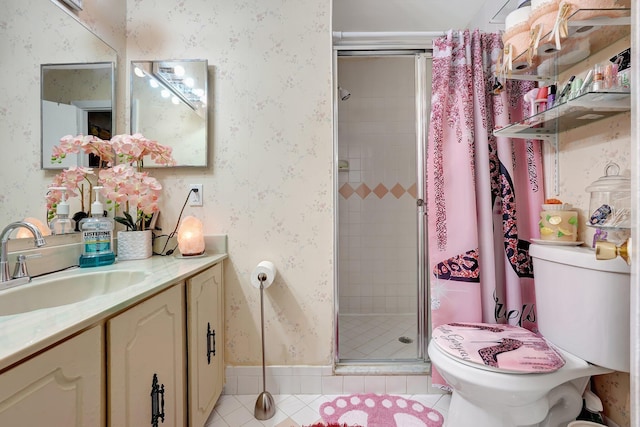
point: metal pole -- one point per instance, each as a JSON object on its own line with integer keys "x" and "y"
{"x": 265, "y": 407}
{"x": 264, "y": 371}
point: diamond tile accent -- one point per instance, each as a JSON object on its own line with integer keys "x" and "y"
{"x": 413, "y": 190}
{"x": 363, "y": 191}
{"x": 397, "y": 190}
{"x": 380, "y": 191}
{"x": 346, "y": 191}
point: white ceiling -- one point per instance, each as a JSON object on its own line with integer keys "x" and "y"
{"x": 406, "y": 15}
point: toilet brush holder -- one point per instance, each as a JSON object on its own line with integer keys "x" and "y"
{"x": 265, "y": 407}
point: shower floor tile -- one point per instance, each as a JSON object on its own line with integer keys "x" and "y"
{"x": 377, "y": 336}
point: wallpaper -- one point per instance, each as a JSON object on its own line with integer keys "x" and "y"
{"x": 269, "y": 183}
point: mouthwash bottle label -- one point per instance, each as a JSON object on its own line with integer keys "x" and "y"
{"x": 97, "y": 242}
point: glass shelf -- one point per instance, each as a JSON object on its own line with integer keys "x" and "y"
{"x": 582, "y": 110}
{"x": 589, "y": 31}
{"x": 597, "y": 27}
{"x": 608, "y": 227}
{"x": 501, "y": 15}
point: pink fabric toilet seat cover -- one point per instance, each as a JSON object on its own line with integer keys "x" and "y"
{"x": 498, "y": 347}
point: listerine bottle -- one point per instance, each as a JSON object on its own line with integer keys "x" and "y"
{"x": 62, "y": 224}
{"x": 97, "y": 236}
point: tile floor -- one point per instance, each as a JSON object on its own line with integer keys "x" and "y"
{"x": 293, "y": 410}
{"x": 376, "y": 336}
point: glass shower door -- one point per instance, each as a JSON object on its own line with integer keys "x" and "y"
{"x": 379, "y": 221}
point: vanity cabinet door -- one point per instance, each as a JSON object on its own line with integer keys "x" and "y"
{"x": 205, "y": 325}
{"x": 62, "y": 387}
{"x": 145, "y": 365}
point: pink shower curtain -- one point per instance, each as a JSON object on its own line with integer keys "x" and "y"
{"x": 483, "y": 192}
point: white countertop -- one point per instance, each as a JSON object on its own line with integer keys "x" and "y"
{"x": 24, "y": 334}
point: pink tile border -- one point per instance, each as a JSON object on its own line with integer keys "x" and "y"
{"x": 380, "y": 190}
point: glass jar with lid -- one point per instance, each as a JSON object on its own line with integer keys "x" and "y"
{"x": 610, "y": 202}
{"x": 610, "y": 205}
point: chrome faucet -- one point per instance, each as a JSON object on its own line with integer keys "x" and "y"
{"x": 4, "y": 264}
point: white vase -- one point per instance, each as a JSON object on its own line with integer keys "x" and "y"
{"x": 134, "y": 245}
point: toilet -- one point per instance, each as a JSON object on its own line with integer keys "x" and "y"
{"x": 582, "y": 313}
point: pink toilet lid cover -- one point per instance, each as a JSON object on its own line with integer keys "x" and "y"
{"x": 501, "y": 347}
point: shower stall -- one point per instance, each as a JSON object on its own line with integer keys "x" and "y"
{"x": 381, "y": 109}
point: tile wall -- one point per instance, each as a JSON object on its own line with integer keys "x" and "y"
{"x": 320, "y": 380}
{"x": 377, "y": 194}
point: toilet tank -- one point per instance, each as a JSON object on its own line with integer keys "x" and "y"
{"x": 582, "y": 304}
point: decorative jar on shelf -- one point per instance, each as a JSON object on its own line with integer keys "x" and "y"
{"x": 610, "y": 201}
{"x": 609, "y": 215}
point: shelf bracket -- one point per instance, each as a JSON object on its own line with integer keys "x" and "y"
{"x": 531, "y": 77}
{"x": 555, "y": 168}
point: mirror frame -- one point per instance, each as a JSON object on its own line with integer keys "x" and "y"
{"x": 201, "y": 109}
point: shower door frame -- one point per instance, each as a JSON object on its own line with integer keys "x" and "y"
{"x": 421, "y": 56}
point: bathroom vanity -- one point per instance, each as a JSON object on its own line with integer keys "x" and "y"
{"x": 150, "y": 353}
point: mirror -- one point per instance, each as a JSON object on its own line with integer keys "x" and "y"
{"x": 75, "y": 99}
{"x": 74, "y": 66}
{"x": 169, "y": 105}
{"x": 57, "y": 38}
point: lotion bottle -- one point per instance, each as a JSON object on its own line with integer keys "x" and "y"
{"x": 62, "y": 224}
{"x": 97, "y": 237}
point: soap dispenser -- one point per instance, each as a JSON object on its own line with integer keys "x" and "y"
{"x": 62, "y": 224}
{"x": 97, "y": 236}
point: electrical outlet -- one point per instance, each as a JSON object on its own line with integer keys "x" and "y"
{"x": 195, "y": 197}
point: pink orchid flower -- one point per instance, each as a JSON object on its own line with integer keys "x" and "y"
{"x": 124, "y": 184}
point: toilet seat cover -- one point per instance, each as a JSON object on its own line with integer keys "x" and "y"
{"x": 503, "y": 348}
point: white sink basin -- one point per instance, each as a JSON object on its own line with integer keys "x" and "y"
{"x": 69, "y": 289}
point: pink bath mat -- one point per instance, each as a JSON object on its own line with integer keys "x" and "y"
{"x": 374, "y": 410}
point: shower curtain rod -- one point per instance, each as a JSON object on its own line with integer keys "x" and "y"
{"x": 342, "y": 35}
{"x": 385, "y": 39}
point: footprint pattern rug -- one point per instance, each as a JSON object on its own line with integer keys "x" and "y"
{"x": 374, "y": 410}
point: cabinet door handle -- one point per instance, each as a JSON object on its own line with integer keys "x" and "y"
{"x": 157, "y": 401}
{"x": 211, "y": 343}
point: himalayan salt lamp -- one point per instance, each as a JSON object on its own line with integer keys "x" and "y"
{"x": 190, "y": 237}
